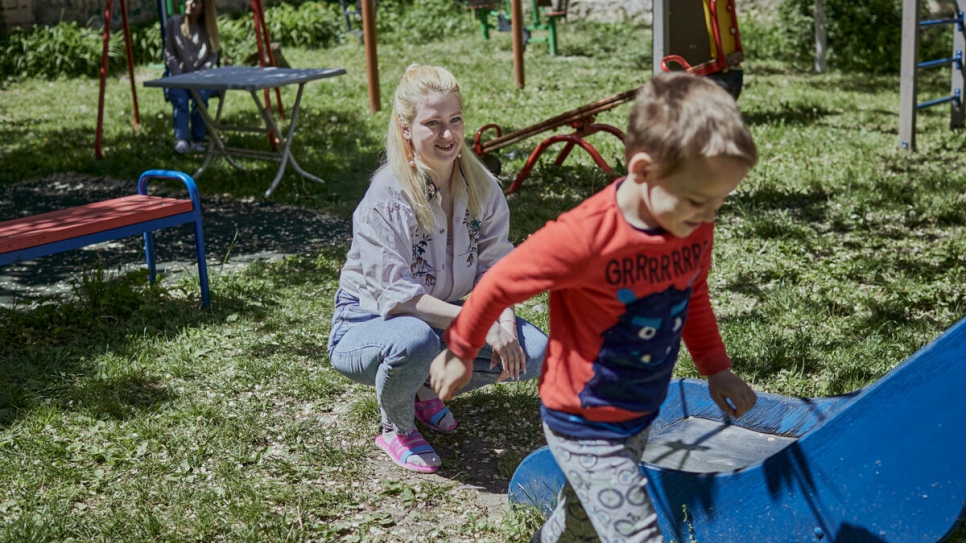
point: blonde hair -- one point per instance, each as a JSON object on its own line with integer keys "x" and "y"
{"x": 209, "y": 21}
{"x": 416, "y": 83}
{"x": 680, "y": 116}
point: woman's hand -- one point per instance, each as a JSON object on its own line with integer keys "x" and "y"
{"x": 506, "y": 350}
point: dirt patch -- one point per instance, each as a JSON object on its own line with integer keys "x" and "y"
{"x": 237, "y": 233}
{"x": 471, "y": 475}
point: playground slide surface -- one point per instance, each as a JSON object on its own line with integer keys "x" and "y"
{"x": 881, "y": 464}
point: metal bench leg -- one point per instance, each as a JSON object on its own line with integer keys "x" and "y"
{"x": 196, "y": 220}
{"x": 202, "y": 262}
{"x": 150, "y": 256}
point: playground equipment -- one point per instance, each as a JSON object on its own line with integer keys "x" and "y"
{"x": 581, "y": 119}
{"x": 699, "y": 49}
{"x": 98, "y": 138}
{"x": 712, "y": 49}
{"x": 882, "y": 464}
{"x": 909, "y": 71}
{"x": 543, "y": 15}
{"x": 165, "y": 10}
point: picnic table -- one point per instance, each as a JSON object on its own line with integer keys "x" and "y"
{"x": 251, "y": 79}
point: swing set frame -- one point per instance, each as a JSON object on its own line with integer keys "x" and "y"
{"x": 165, "y": 10}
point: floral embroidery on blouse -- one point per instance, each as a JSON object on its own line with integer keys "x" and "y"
{"x": 473, "y": 228}
{"x": 421, "y": 268}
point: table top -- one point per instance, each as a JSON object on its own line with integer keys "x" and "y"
{"x": 250, "y": 78}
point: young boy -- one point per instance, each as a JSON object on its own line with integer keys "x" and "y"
{"x": 627, "y": 274}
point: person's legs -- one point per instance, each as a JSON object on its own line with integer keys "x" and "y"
{"x": 394, "y": 356}
{"x": 436, "y": 415}
{"x": 198, "y": 127}
{"x": 179, "y": 103}
{"x": 534, "y": 344}
{"x": 605, "y": 494}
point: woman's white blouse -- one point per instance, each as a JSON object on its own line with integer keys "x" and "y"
{"x": 392, "y": 260}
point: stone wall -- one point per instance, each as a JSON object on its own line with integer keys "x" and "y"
{"x": 16, "y": 13}
{"x": 26, "y": 13}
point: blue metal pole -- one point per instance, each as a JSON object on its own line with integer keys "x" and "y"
{"x": 934, "y": 22}
{"x": 935, "y": 102}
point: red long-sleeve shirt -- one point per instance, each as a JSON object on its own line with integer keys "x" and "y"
{"x": 621, "y": 299}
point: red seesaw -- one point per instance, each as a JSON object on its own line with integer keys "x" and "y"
{"x": 582, "y": 120}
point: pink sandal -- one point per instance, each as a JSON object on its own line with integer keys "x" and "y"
{"x": 400, "y": 448}
{"x": 431, "y": 412}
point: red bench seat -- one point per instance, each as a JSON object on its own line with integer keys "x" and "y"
{"x": 78, "y": 221}
{"x": 40, "y": 235}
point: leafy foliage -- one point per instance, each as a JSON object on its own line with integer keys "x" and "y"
{"x": 863, "y": 35}
{"x": 312, "y": 24}
{"x": 72, "y": 50}
{"x": 419, "y": 21}
{"x": 66, "y": 49}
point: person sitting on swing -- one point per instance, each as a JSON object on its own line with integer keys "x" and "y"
{"x": 190, "y": 45}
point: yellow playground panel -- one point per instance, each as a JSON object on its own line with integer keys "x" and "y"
{"x": 711, "y": 49}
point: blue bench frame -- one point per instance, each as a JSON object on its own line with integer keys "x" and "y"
{"x": 146, "y": 228}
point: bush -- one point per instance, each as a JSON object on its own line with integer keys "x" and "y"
{"x": 863, "y": 35}
{"x": 146, "y": 44}
{"x": 419, "y": 21}
{"x": 66, "y": 49}
{"x": 312, "y": 24}
{"x": 71, "y": 50}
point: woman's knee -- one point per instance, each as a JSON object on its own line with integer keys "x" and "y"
{"x": 413, "y": 342}
{"x": 534, "y": 344}
{"x": 399, "y": 344}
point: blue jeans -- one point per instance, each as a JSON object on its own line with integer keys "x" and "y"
{"x": 394, "y": 355}
{"x": 179, "y": 101}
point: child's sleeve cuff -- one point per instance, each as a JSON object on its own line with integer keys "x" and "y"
{"x": 712, "y": 364}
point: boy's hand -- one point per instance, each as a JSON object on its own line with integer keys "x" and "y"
{"x": 448, "y": 374}
{"x": 732, "y": 395}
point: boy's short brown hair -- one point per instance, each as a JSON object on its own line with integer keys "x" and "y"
{"x": 679, "y": 116}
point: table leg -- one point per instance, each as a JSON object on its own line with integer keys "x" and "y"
{"x": 210, "y": 149}
{"x": 286, "y": 141}
{"x": 291, "y": 136}
{"x": 213, "y": 128}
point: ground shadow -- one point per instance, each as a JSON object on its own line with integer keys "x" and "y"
{"x": 809, "y": 204}
{"x": 327, "y": 144}
{"x": 45, "y": 361}
{"x": 236, "y": 232}
{"x": 789, "y": 115}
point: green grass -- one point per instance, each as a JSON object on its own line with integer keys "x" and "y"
{"x": 128, "y": 415}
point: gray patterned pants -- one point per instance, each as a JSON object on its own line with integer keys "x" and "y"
{"x": 605, "y": 498}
